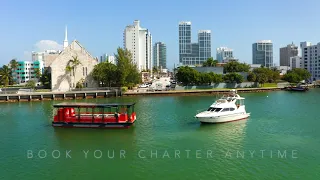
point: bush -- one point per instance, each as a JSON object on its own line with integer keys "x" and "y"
{"x": 79, "y": 84}
{"x": 31, "y": 84}
{"x": 130, "y": 85}
{"x": 124, "y": 89}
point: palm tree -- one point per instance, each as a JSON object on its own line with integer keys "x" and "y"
{"x": 210, "y": 63}
{"x": 14, "y": 66}
{"x": 5, "y": 74}
{"x": 72, "y": 66}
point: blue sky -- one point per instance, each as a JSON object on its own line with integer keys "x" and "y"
{"x": 99, "y": 25}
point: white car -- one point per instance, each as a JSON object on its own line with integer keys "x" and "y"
{"x": 143, "y": 86}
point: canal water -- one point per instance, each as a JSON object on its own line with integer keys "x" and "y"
{"x": 279, "y": 141}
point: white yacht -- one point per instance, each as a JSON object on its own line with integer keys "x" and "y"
{"x": 229, "y": 107}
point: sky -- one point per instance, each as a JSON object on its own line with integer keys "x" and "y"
{"x": 36, "y": 25}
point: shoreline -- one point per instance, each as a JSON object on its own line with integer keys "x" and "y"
{"x": 47, "y": 96}
{"x": 202, "y": 91}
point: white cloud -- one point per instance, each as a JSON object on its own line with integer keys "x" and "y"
{"x": 41, "y": 46}
{"x": 47, "y": 45}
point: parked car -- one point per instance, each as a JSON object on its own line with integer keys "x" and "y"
{"x": 143, "y": 86}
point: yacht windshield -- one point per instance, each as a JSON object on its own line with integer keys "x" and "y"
{"x": 214, "y": 109}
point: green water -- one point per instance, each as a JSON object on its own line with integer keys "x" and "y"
{"x": 167, "y": 138}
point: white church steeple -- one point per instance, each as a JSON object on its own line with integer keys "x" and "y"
{"x": 65, "y": 42}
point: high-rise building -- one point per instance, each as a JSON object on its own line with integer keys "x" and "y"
{"x": 193, "y": 53}
{"x": 108, "y": 58}
{"x": 262, "y": 53}
{"x": 286, "y": 53}
{"x": 160, "y": 55}
{"x": 295, "y": 62}
{"x": 311, "y": 59}
{"x": 138, "y": 41}
{"x": 224, "y": 54}
{"x": 204, "y": 41}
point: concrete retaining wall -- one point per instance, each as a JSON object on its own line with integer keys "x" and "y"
{"x": 220, "y": 85}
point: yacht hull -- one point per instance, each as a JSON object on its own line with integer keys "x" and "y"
{"x": 223, "y": 118}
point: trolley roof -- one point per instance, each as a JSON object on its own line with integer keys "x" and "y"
{"x": 91, "y": 105}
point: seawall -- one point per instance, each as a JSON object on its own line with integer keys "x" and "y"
{"x": 40, "y": 96}
{"x": 206, "y": 91}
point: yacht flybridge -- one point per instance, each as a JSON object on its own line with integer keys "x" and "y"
{"x": 230, "y": 107}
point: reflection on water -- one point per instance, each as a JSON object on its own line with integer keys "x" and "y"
{"x": 166, "y": 123}
{"x": 225, "y": 135}
{"x": 79, "y": 139}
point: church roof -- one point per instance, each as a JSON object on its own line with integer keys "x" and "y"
{"x": 74, "y": 45}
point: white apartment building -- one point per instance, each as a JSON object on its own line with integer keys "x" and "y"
{"x": 311, "y": 59}
{"x": 295, "y": 62}
{"x": 138, "y": 41}
{"x": 282, "y": 69}
{"x": 224, "y": 54}
{"x": 26, "y": 71}
{"x": 46, "y": 57}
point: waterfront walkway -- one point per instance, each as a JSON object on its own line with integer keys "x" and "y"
{"x": 210, "y": 91}
{"x": 30, "y": 96}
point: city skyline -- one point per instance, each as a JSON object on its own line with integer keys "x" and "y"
{"x": 24, "y": 31}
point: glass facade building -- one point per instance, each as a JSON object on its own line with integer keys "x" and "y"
{"x": 193, "y": 53}
{"x": 160, "y": 55}
{"x": 224, "y": 54}
{"x": 204, "y": 40}
{"x": 262, "y": 53}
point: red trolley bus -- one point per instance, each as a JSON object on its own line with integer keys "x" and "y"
{"x": 89, "y": 115}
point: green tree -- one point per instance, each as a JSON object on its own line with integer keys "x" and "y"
{"x": 72, "y": 65}
{"x": 14, "y": 65}
{"x": 105, "y": 73}
{"x": 235, "y": 66}
{"x": 37, "y": 73}
{"x": 124, "y": 73}
{"x": 275, "y": 76}
{"x": 45, "y": 79}
{"x": 5, "y": 75}
{"x": 252, "y": 77}
{"x": 204, "y": 79}
{"x": 297, "y": 75}
{"x": 31, "y": 84}
{"x": 187, "y": 75}
{"x": 261, "y": 78}
{"x": 134, "y": 76}
{"x": 123, "y": 58}
{"x": 216, "y": 78}
{"x": 263, "y": 75}
{"x": 210, "y": 63}
{"x": 233, "y": 78}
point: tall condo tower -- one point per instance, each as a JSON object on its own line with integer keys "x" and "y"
{"x": 262, "y": 53}
{"x": 138, "y": 41}
{"x": 193, "y": 53}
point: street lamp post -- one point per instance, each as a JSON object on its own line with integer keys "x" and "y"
{"x": 1, "y": 79}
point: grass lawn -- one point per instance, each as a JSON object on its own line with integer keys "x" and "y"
{"x": 269, "y": 85}
{"x": 43, "y": 90}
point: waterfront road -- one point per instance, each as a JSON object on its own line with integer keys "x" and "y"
{"x": 146, "y": 92}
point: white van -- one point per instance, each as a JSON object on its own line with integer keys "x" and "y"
{"x": 24, "y": 91}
